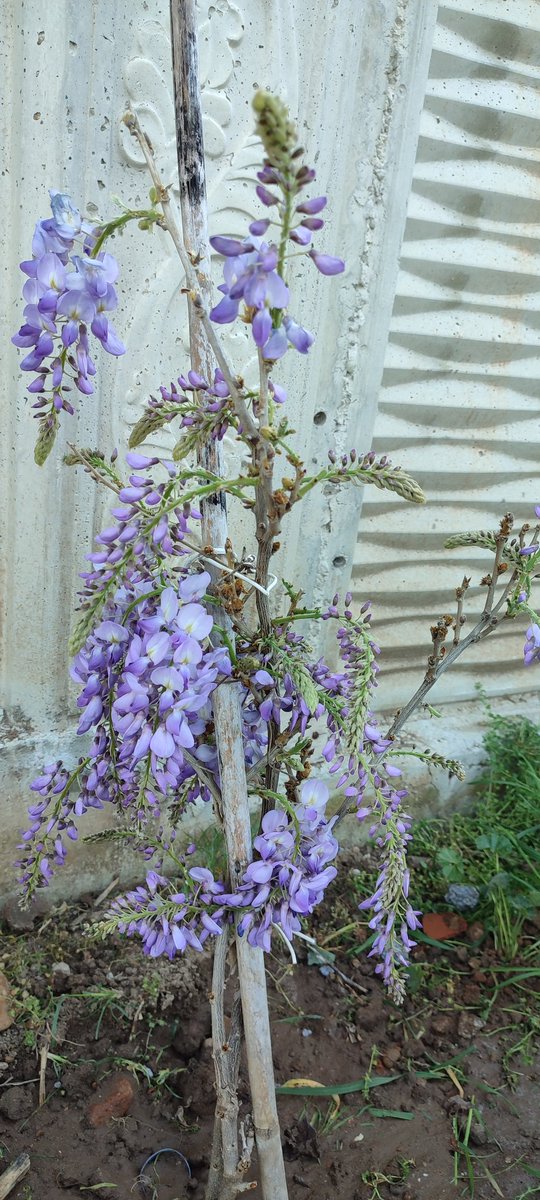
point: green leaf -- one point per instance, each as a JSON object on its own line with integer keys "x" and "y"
{"x": 497, "y": 842}
{"x": 339, "y": 1089}
{"x": 451, "y": 864}
{"x": 395, "y": 1113}
{"x": 500, "y": 880}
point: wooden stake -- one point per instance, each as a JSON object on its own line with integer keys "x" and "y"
{"x": 43, "y": 1056}
{"x": 226, "y": 699}
{"x": 16, "y": 1171}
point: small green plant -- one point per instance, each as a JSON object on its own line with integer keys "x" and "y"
{"x": 31, "y": 1013}
{"x": 463, "y": 1150}
{"x": 369, "y": 1073}
{"x": 493, "y": 847}
{"x": 374, "y": 1179}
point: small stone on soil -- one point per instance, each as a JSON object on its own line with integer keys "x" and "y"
{"x": 21, "y": 920}
{"x": 116, "y": 1102}
{"x": 16, "y": 1103}
{"x": 468, "y": 1025}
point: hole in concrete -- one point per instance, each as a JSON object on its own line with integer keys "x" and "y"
{"x": 339, "y": 560}
{"x": 319, "y": 418}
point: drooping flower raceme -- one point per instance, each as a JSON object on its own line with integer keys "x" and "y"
{"x": 146, "y": 672}
{"x": 170, "y": 918}
{"x": 254, "y": 284}
{"x": 289, "y": 878}
{"x": 250, "y": 276}
{"x": 67, "y": 295}
{"x": 283, "y": 884}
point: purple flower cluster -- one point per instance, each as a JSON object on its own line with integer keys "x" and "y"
{"x": 250, "y": 276}
{"x": 356, "y": 756}
{"x": 278, "y": 888}
{"x": 306, "y": 219}
{"x": 289, "y": 878}
{"x": 147, "y": 671}
{"x": 51, "y": 817}
{"x": 253, "y": 271}
{"x": 531, "y": 651}
{"x": 150, "y": 525}
{"x": 65, "y": 294}
{"x": 168, "y": 920}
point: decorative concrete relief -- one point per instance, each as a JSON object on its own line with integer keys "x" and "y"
{"x": 75, "y": 68}
{"x": 460, "y": 386}
{"x": 233, "y": 157}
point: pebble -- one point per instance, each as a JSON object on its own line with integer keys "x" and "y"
{"x": 442, "y": 1024}
{"x": 21, "y": 920}
{"x": 61, "y": 973}
{"x": 468, "y": 1025}
{"x": 16, "y": 1103}
{"x": 115, "y": 1102}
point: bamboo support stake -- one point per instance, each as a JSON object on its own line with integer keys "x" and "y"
{"x": 227, "y": 710}
{"x": 14, "y": 1173}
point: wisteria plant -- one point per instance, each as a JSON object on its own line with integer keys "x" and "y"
{"x": 193, "y": 687}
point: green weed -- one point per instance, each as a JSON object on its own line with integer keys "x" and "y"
{"x": 375, "y": 1179}
{"x": 492, "y": 847}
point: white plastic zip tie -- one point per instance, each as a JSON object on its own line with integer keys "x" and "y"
{"x": 231, "y": 570}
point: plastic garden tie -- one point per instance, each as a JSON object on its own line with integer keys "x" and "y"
{"x": 220, "y": 550}
{"x": 144, "y": 1182}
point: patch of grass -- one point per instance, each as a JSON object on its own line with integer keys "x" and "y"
{"x": 494, "y": 846}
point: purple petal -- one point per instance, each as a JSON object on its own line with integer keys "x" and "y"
{"x": 326, "y": 264}
{"x": 261, "y": 327}
{"x": 267, "y": 198}
{"x": 225, "y": 312}
{"x": 230, "y": 247}
{"x": 311, "y": 207}
{"x": 277, "y": 291}
{"x": 162, "y": 743}
{"x": 301, "y": 236}
{"x": 276, "y": 346}
{"x": 258, "y": 228}
{"x": 299, "y": 337}
{"x": 279, "y": 393}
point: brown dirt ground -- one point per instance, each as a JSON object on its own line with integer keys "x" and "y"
{"x": 453, "y": 1043}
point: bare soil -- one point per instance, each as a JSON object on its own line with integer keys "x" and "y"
{"x": 129, "y": 1067}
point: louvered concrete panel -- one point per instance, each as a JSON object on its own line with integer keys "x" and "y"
{"x": 460, "y": 398}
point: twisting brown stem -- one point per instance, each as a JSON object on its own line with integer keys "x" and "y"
{"x": 460, "y": 596}
{"x": 500, "y": 543}
{"x": 485, "y": 625}
{"x": 438, "y": 664}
